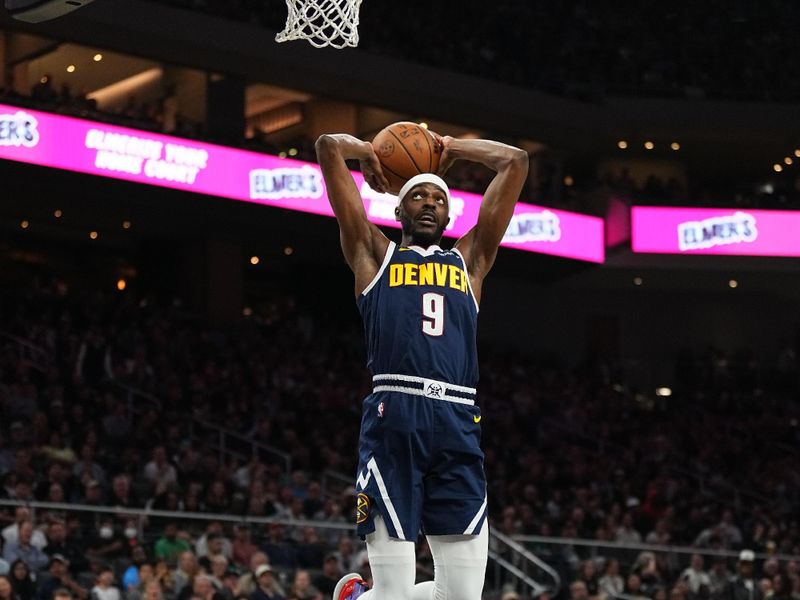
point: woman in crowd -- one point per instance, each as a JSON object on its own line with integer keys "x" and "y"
{"x": 21, "y": 581}
{"x": 6, "y": 589}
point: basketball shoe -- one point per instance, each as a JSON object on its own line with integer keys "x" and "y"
{"x": 349, "y": 587}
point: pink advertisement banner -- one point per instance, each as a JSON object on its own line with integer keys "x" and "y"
{"x": 732, "y": 231}
{"x": 109, "y": 151}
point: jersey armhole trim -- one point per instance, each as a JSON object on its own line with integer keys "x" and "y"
{"x": 469, "y": 283}
{"x": 384, "y": 264}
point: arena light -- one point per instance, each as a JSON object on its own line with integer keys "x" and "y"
{"x": 569, "y": 181}
{"x": 121, "y": 284}
{"x": 71, "y": 69}
{"x": 288, "y": 251}
{"x": 797, "y": 153}
{"x": 675, "y": 146}
{"x": 423, "y": 124}
{"x": 125, "y": 87}
{"x": 127, "y": 224}
{"x": 664, "y": 392}
{"x": 637, "y": 281}
{"x": 622, "y": 144}
{"x": 93, "y": 235}
{"x": 247, "y": 311}
{"x": 649, "y": 145}
{"x": 97, "y": 57}
{"x": 788, "y": 160}
{"x": 733, "y": 284}
{"x": 777, "y": 167}
{"x": 25, "y": 224}
{"x": 254, "y": 260}
{"x": 37, "y": 11}
{"x": 57, "y": 213}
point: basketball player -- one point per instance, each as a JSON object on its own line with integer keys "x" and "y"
{"x": 421, "y": 466}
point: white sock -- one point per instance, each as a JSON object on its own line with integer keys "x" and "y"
{"x": 393, "y": 563}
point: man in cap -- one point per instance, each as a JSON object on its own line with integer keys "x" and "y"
{"x": 265, "y": 590}
{"x": 744, "y": 586}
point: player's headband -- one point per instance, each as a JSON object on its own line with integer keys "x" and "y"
{"x": 423, "y": 178}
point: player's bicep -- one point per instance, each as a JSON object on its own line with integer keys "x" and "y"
{"x": 480, "y": 244}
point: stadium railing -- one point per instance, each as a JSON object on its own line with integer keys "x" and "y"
{"x": 512, "y": 565}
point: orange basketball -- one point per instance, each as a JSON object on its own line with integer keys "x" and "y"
{"x": 405, "y": 149}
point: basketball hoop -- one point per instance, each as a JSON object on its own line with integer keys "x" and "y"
{"x": 322, "y": 22}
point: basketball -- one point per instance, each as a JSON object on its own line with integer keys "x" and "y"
{"x": 405, "y": 149}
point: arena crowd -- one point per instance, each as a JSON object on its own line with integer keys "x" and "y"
{"x": 571, "y": 453}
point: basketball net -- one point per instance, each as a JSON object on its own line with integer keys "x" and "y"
{"x": 323, "y": 23}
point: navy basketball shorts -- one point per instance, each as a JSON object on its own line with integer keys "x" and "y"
{"x": 420, "y": 466}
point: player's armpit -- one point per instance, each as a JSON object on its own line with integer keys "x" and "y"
{"x": 479, "y": 246}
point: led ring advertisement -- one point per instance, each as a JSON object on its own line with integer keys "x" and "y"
{"x": 83, "y": 146}
{"x": 732, "y": 231}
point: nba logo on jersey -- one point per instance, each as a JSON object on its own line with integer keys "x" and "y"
{"x": 380, "y": 409}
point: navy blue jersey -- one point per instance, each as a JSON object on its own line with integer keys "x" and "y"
{"x": 421, "y": 317}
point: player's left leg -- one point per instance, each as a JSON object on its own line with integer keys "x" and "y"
{"x": 459, "y": 567}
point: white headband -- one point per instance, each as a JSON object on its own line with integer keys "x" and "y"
{"x": 423, "y": 178}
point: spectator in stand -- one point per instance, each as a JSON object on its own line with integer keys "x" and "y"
{"x": 104, "y": 588}
{"x": 213, "y": 541}
{"x": 626, "y": 533}
{"x": 59, "y": 578}
{"x": 694, "y": 575}
{"x": 247, "y": 582}
{"x": 215, "y": 548}
{"x": 633, "y": 586}
{"x": 24, "y": 550}
{"x": 646, "y": 567}
{"x": 105, "y": 542}
{"x": 302, "y": 588}
{"x": 230, "y": 585}
{"x": 577, "y": 591}
{"x": 217, "y": 569}
{"x": 6, "y": 590}
{"x": 153, "y": 591}
{"x": 278, "y": 548}
{"x": 346, "y": 554}
{"x": 718, "y": 578}
{"x": 21, "y": 581}
{"x": 87, "y": 468}
{"x": 311, "y": 550}
{"x": 326, "y": 581}
{"x": 201, "y": 589}
{"x": 11, "y": 533}
{"x": 242, "y": 548}
{"x": 265, "y": 590}
{"x": 59, "y": 544}
{"x": 744, "y": 586}
{"x": 187, "y": 569}
{"x": 731, "y": 535}
{"x": 660, "y": 534}
{"x": 170, "y": 545}
{"x": 611, "y": 583}
{"x": 121, "y": 493}
{"x": 136, "y": 580}
{"x": 587, "y": 573}
{"x": 159, "y": 473}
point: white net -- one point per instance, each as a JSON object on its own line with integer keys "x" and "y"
{"x": 322, "y": 22}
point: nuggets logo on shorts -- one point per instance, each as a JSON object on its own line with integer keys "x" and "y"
{"x": 362, "y": 508}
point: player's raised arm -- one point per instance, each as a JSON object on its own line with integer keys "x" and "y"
{"x": 363, "y": 244}
{"x": 479, "y": 245}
